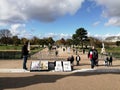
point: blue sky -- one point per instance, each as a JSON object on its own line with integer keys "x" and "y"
{"x": 60, "y": 18}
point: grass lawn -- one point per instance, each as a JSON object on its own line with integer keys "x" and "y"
{"x": 114, "y": 50}
{"x": 10, "y": 47}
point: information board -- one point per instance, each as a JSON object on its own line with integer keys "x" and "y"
{"x": 58, "y": 66}
{"x": 43, "y": 65}
{"x": 35, "y": 65}
{"x": 67, "y": 66}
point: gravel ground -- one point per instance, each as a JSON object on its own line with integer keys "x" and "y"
{"x": 82, "y": 78}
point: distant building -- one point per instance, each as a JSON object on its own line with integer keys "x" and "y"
{"x": 112, "y": 39}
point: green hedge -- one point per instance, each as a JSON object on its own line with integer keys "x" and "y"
{"x": 10, "y": 54}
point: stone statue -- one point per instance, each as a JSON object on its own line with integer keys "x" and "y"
{"x": 103, "y": 45}
{"x": 103, "y": 49}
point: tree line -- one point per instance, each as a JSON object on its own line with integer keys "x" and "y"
{"x": 6, "y": 38}
{"x": 80, "y": 37}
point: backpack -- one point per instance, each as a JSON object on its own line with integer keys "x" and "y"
{"x": 95, "y": 54}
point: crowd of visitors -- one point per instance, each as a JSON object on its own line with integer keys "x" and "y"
{"x": 92, "y": 56}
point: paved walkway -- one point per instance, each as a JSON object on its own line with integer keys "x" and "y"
{"x": 81, "y": 70}
{"x": 16, "y": 65}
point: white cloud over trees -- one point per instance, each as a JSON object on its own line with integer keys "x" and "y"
{"x": 14, "y": 11}
{"x": 111, "y": 10}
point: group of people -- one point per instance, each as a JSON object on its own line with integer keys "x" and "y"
{"x": 92, "y": 55}
{"x": 71, "y": 59}
{"x": 108, "y": 60}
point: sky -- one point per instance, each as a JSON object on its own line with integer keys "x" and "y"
{"x": 60, "y": 18}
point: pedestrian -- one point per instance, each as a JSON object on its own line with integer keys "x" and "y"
{"x": 71, "y": 59}
{"x": 110, "y": 60}
{"x": 83, "y": 51}
{"x": 106, "y": 60}
{"x": 25, "y": 54}
{"x": 93, "y": 56}
{"x": 76, "y": 51}
{"x": 56, "y": 53}
{"x": 78, "y": 59}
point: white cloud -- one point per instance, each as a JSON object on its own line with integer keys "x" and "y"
{"x": 113, "y": 21}
{"x": 65, "y": 36}
{"x": 14, "y": 11}
{"x": 96, "y": 23}
{"x": 58, "y": 36}
{"x": 17, "y": 29}
{"x": 111, "y": 10}
{"x": 53, "y": 35}
{"x": 2, "y": 24}
{"x": 20, "y": 31}
{"x": 104, "y": 36}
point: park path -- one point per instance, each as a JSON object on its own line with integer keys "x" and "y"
{"x": 45, "y": 54}
{"x": 50, "y": 55}
{"x": 102, "y": 78}
{"x": 62, "y": 55}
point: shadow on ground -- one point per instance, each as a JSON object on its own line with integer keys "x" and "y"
{"x": 19, "y": 82}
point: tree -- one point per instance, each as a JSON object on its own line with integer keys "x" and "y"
{"x": 95, "y": 42}
{"x": 48, "y": 41}
{"x": 69, "y": 42}
{"x": 118, "y": 43}
{"x": 63, "y": 42}
{"x": 15, "y": 40}
{"x": 5, "y": 34}
{"x": 51, "y": 41}
{"x": 35, "y": 40}
{"x": 42, "y": 42}
{"x": 80, "y": 36}
{"x": 24, "y": 40}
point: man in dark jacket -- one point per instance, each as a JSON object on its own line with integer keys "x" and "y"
{"x": 25, "y": 54}
{"x": 78, "y": 59}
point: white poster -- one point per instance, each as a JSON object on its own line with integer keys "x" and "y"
{"x": 35, "y": 65}
{"x": 44, "y": 65}
{"x": 58, "y": 66}
{"x": 67, "y": 66}
{"x": 58, "y": 63}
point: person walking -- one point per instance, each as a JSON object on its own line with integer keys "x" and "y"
{"x": 71, "y": 59}
{"x": 93, "y": 55}
{"x": 106, "y": 60}
{"x": 25, "y": 54}
{"x": 78, "y": 59}
{"x": 110, "y": 60}
{"x": 56, "y": 52}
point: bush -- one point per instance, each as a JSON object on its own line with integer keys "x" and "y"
{"x": 10, "y": 54}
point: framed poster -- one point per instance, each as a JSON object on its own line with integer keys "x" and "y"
{"x": 43, "y": 65}
{"x": 51, "y": 65}
{"x": 35, "y": 65}
{"x": 58, "y": 66}
{"x": 67, "y": 66}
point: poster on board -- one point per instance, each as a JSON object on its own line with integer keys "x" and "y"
{"x": 35, "y": 65}
{"x": 67, "y": 66}
{"x": 43, "y": 65}
{"x": 51, "y": 66}
{"x": 58, "y": 66}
